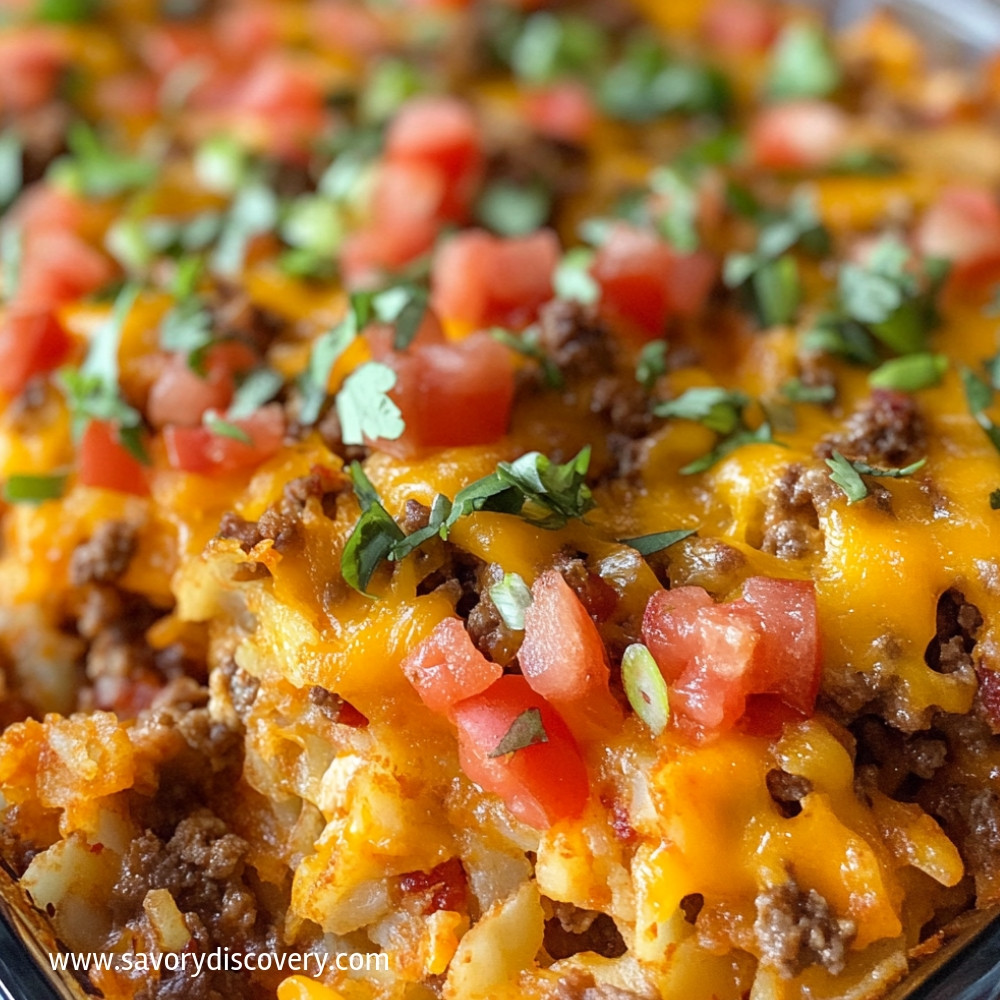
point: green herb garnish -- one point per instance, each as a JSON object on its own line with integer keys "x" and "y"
{"x": 647, "y": 545}
{"x": 373, "y": 536}
{"x": 512, "y": 598}
{"x": 35, "y": 489}
{"x": 651, "y": 363}
{"x": 225, "y": 428}
{"x": 11, "y": 176}
{"x": 573, "y": 281}
{"x": 910, "y": 373}
{"x": 847, "y": 475}
{"x": 802, "y": 66}
{"x": 514, "y": 209}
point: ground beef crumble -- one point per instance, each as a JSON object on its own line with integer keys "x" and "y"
{"x": 888, "y": 432}
{"x": 105, "y": 556}
{"x": 795, "y": 928}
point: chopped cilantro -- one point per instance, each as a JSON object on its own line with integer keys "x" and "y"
{"x": 573, "y": 281}
{"x": 802, "y": 65}
{"x": 645, "y": 687}
{"x": 512, "y": 598}
{"x": 92, "y": 391}
{"x": 11, "y": 176}
{"x": 769, "y": 271}
{"x": 866, "y": 162}
{"x": 258, "y": 387}
{"x": 910, "y": 373}
{"x": 533, "y": 487}
{"x": 224, "y": 428}
{"x": 326, "y": 349}
{"x": 720, "y": 410}
{"x": 187, "y": 329}
{"x": 35, "y": 488}
{"x": 647, "y": 545}
{"x": 796, "y": 391}
{"x": 254, "y": 211}
{"x": 526, "y": 730}
{"x": 66, "y": 11}
{"x": 313, "y": 223}
{"x": 512, "y": 209}
{"x": 651, "y": 363}
{"x": 96, "y": 171}
{"x": 847, "y": 475}
{"x": 844, "y": 475}
{"x": 777, "y": 291}
{"x": 979, "y": 396}
{"x": 729, "y": 444}
{"x": 364, "y": 407}
{"x": 405, "y": 306}
{"x": 678, "y": 222}
{"x": 646, "y": 83}
{"x": 11, "y": 251}
{"x": 391, "y": 82}
{"x": 549, "y": 47}
{"x": 222, "y": 164}
{"x": 373, "y": 536}
{"x": 843, "y": 338}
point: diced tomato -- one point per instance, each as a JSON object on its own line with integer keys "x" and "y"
{"x": 644, "y": 281}
{"x": 32, "y": 342}
{"x": 540, "y": 784}
{"x": 181, "y": 396}
{"x": 713, "y": 656}
{"x": 740, "y": 26}
{"x": 43, "y": 208}
{"x": 562, "y": 657}
{"x": 800, "y": 135}
{"x": 446, "y": 667}
{"x": 441, "y": 133}
{"x": 963, "y": 226}
{"x": 484, "y": 280}
{"x": 103, "y": 461}
{"x": 197, "y": 449}
{"x": 563, "y": 111}
{"x": 346, "y": 27}
{"x": 245, "y": 31}
{"x": 59, "y": 267}
{"x": 788, "y": 657}
{"x": 32, "y": 59}
{"x": 451, "y": 394}
{"x": 128, "y": 94}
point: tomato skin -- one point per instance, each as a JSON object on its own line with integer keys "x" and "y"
{"x": 644, "y": 281}
{"x": 788, "y": 659}
{"x": 447, "y": 668}
{"x": 482, "y": 280}
{"x": 740, "y": 27}
{"x": 714, "y": 656}
{"x": 451, "y": 394}
{"x": 197, "y": 449}
{"x": 440, "y": 133}
{"x": 59, "y": 267}
{"x": 562, "y": 656}
{"x": 563, "y": 111}
{"x": 32, "y": 342}
{"x": 799, "y": 135}
{"x": 963, "y": 226}
{"x": 32, "y": 60}
{"x": 103, "y": 461}
{"x": 181, "y": 397}
{"x": 540, "y": 784}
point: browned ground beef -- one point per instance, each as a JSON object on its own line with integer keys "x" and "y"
{"x": 888, "y": 432}
{"x": 793, "y": 506}
{"x": 572, "y": 930}
{"x": 787, "y": 790}
{"x": 796, "y": 929}
{"x": 105, "y": 556}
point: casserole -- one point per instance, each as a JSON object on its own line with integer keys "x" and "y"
{"x": 511, "y": 675}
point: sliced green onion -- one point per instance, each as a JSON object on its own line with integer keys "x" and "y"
{"x": 645, "y": 687}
